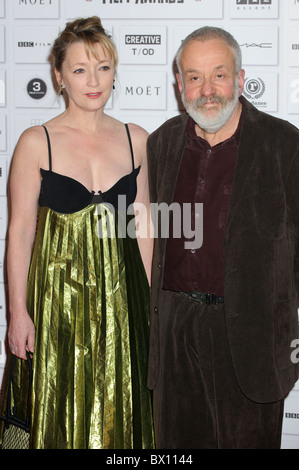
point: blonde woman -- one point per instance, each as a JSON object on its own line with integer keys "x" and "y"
{"x": 78, "y": 289}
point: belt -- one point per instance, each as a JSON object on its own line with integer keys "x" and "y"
{"x": 209, "y": 299}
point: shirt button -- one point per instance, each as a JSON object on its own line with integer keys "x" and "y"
{"x": 193, "y": 251}
{"x": 155, "y": 309}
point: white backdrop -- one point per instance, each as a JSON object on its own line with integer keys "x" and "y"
{"x": 147, "y": 34}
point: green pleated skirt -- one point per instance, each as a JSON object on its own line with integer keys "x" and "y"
{"x": 89, "y": 298}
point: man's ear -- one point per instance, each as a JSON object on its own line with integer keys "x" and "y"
{"x": 180, "y": 82}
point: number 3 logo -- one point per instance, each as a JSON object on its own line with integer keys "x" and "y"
{"x": 36, "y": 88}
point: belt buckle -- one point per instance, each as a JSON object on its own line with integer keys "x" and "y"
{"x": 209, "y": 299}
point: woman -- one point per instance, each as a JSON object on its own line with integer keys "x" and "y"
{"x": 86, "y": 315}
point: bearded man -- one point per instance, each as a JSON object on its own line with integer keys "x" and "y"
{"x": 223, "y": 314}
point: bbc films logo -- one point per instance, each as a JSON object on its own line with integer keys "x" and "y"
{"x": 33, "y": 44}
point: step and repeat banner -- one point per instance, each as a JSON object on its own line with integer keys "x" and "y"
{"x": 147, "y": 34}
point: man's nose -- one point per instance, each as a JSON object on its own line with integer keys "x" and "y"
{"x": 207, "y": 88}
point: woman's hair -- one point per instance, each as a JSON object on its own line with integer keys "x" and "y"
{"x": 87, "y": 30}
{"x": 206, "y": 34}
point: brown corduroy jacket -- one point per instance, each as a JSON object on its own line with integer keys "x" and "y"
{"x": 261, "y": 249}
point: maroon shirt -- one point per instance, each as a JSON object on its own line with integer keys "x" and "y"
{"x": 205, "y": 176}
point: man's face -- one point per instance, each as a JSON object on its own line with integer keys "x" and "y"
{"x": 209, "y": 87}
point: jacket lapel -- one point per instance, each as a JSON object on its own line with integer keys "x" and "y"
{"x": 173, "y": 162}
{"x": 246, "y": 160}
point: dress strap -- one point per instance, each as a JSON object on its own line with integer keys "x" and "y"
{"x": 49, "y": 148}
{"x": 131, "y": 147}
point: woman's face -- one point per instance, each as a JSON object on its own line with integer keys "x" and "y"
{"x": 88, "y": 80}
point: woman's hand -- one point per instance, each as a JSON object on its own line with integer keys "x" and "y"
{"x": 21, "y": 335}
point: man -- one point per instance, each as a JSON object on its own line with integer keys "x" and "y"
{"x": 223, "y": 314}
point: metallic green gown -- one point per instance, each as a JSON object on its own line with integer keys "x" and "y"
{"x": 89, "y": 298}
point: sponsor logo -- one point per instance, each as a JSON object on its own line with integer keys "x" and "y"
{"x": 143, "y": 39}
{"x": 35, "y": 2}
{"x": 261, "y": 89}
{"x": 261, "y": 45}
{"x": 292, "y": 415}
{"x": 254, "y": 8}
{"x": 106, "y": 2}
{"x": 254, "y": 2}
{"x": 36, "y": 8}
{"x": 33, "y": 44}
{"x": 254, "y": 88}
{"x": 36, "y": 88}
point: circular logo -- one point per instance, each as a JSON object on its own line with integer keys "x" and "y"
{"x": 254, "y": 88}
{"x": 36, "y": 88}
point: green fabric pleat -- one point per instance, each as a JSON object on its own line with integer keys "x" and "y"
{"x": 89, "y": 298}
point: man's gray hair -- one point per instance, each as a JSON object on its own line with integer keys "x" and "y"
{"x": 206, "y": 34}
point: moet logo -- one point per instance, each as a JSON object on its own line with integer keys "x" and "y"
{"x": 143, "y": 90}
{"x": 36, "y": 8}
{"x": 35, "y": 2}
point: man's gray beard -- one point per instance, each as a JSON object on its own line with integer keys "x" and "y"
{"x": 212, "y": 124}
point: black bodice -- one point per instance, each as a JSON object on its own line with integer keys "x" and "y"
{"x": 67, "y": 195}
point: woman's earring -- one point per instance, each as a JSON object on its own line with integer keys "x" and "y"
{"x": 61, "y": 89}
{"x": 113, "y": 85}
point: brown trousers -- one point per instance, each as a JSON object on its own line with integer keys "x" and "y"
{"x": 197, "y": 401}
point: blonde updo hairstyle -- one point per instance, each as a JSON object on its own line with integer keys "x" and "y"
{"x": 89, "y": 31}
